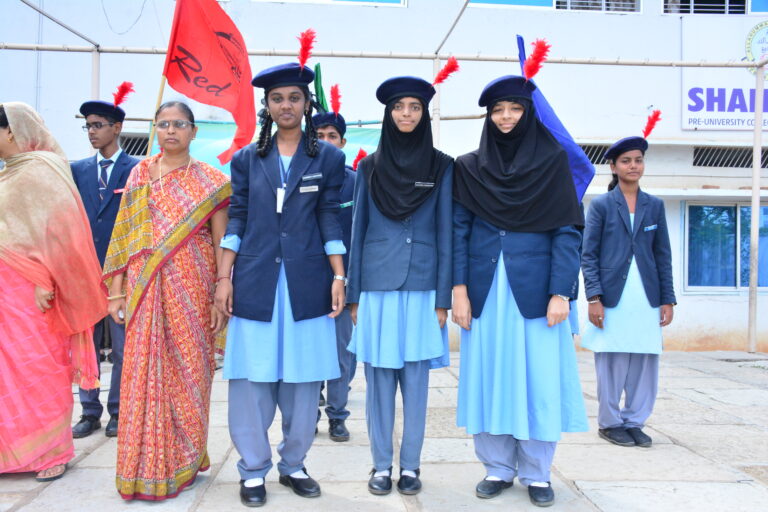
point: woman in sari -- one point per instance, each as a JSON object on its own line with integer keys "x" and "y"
{"x": 161, "y": 269}
{"x": 50, "y": 297}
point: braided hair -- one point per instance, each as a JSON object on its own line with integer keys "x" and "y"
{"x": 264, "y": 143}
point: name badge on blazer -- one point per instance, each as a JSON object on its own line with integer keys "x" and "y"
{"x": 347, "y": 205}
{"x": 311, "y": 188}
{"x": 315, "y": 176}
{"x": 423, "y": 184}
{"x": 651, "y": 228}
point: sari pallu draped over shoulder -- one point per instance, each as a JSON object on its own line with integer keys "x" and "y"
{"x": 162, "y": 242}
{"x": 46, "y": 238}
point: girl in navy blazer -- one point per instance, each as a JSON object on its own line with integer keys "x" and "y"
{"x": 627, "y": 266}
{"x": 287, "y": 285}
{"x": 400, "y": 276}
{"x": 516, "y": 262}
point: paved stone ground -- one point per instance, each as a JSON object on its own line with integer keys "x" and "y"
{"x": 710, "y": 430}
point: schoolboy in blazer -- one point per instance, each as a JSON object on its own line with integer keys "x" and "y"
{"x": 99, "y": 179}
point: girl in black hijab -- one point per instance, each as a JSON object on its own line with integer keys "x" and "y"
{"x": 516, "y": 242}
{"x": 400, "y": 276}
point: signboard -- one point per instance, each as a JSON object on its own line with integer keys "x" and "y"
{"x": 721, "y": 98}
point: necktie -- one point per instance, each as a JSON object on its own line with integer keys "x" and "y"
{"x": 104, "y": 164}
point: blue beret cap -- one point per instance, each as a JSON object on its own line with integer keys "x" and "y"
{"x": 102, "y": 108}
{"x": 509, "y": 86}
{"x": 624, "y": 145}
{"x": 402, "y": 86}
{"x": 283, "y": 75}
{"x": 330, "y": 119}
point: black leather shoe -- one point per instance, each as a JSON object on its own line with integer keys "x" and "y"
{"x": 408, "y": 484}
{"x": 491, "y": 488}
{"x": 111, "y": 430}
{"x": 616, "y": 435}
{"x": 321, "y": 402}
{"x": 253, "y": 496}
{"x": 86, "y": 426}
{"x": 541, "y": 496}
{"x": 304, "y": 487}
{"x": 338, "y": 431}
{"x": 380, "y": 485}
{"x": 641, "y": 439}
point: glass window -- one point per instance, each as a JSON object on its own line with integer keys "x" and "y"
{"x": 762, "y": 246}
{"x": 711, "y": 245}
{"x": 599, "y": 5}
{"x": 705, "y": 6}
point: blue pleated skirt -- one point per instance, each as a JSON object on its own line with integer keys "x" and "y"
{"x": 395, "y": 327}
{"x": 282, "y": 349}
{"x": 518, "y": 376}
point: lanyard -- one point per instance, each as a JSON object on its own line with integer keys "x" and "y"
{"x": 283, "y": 172}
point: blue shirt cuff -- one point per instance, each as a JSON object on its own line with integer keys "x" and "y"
{"x": 335, "y": 247}
{"x": 231, "y": 242}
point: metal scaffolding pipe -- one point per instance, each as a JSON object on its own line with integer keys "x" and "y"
{"x": 406, "y": 56}
{"x": 754, "y": 231}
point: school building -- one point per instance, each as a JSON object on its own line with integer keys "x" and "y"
{"x": 700, "y": 156}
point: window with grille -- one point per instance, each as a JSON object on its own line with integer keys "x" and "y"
{"x": 705, "y": 6}
{"x": 595, "y": 153}
{"x": 599, "y": 5}
{"x": 135, "y": 144}
{"x": 704, "y": 156}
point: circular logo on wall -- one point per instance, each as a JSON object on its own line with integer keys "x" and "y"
{"x": 757, "y": 44}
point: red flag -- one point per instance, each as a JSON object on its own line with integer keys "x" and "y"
{"x": 207, "y": 61}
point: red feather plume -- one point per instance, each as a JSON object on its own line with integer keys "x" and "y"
{"x": 123, "y": 90}
{"x": 360, "y": 155}
{"x": 335, "y": 99}
{"x": 654, "y": 118}
{"x": 450, "y": 67}
{"x": 307, "y": 41}
{"x": 538, "y": 56}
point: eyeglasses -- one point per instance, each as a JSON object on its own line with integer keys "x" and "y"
{"x": 98, "y": 125}
{"x": 179, "y": 124}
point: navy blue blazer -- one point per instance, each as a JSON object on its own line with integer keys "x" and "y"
{"x": 294, "y": 238}
{"x": 346, "y": 201}
{"x": 412, "y": 254}
{"x": 538, "y": 265}
{"x": 610, "y": 243}
{"x": 101, "y": 214}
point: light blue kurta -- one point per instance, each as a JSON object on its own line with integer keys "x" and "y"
{"x": 283, "y": 348}
{"x": 517, "y": 375}
{"x": 632, "y": 326}
{"x": 395, "y": 327}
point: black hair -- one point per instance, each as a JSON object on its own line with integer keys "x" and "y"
{"x": 181, "y": 106}
{"x": 614, "y": 182}
{"x": 3, "y": 118}
{"x": 106, "y": 117}
{"x": 264, "y": 143}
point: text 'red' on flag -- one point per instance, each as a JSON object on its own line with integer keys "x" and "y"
{"x": 207, "y": 61}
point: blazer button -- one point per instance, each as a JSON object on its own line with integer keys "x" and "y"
{"x": 99, "y": 219}
{"x": 278, "y": 260}
{"x": 494, "y": 260}
{"x": 624, "y": 276}
{"x": 502, "y": 233}
{"x": 95, "y": 239}
{"x": 283, "y": 234}
{"x": 407, "y": 240}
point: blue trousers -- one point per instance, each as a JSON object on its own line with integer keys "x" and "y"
{"x": 338, "y": 389}
{"x": 89, "y": 398}
{"x": 382, "y": 383}
{"x": 252, "y": 408}
{"x": 636, "y": 375}
{"x": 506, "y": 457}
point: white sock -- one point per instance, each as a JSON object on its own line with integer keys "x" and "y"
{"x": 299, "y": 474}
{"x": 408, "y": 472}
{"x": 253, "y": 482}
{"x": 384, "y": 472}
{"x": 493, "y": 478}
{"x": 538, "y": 484}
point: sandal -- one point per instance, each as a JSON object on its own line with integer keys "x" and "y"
{"x": 54, "y": 477}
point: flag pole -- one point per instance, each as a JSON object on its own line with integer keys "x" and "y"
{"x": 157, "y": 106}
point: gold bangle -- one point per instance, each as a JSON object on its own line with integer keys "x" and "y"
{"x": 115, "y": 297}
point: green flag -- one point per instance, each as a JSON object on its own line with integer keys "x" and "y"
{"x": 319, "y": 92}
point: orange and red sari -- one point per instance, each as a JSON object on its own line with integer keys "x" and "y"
{"x": 162, "y": 242}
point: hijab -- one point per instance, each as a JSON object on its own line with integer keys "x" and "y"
{"x": 518, "y": 181}
{"x": 406, "y": 167}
